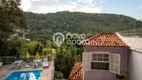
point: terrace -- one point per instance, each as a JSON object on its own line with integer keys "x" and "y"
{"x": 47, "y": 73}
{"x": 133, "y": 38}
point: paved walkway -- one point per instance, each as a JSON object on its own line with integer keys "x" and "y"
{"x": 6, "y": 69}
{"x": 46, "y": 74}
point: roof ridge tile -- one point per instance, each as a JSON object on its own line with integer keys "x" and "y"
{"x": 105, "y": 39}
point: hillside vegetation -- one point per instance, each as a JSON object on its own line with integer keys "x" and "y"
{"x": 43, "y": 26}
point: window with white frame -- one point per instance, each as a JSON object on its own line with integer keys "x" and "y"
{"x": 114, "y": 63}
{"x": 106, "y": 61}
{"x": 100, "y": 61}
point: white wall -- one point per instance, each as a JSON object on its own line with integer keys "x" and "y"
{"x": 135, "y": 42}
{"x": 135, "y": 66}
{"x": 135, "y": 57}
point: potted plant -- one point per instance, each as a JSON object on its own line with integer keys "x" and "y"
{"x": 121, "y": 75}
{"x": 0, "y": 62}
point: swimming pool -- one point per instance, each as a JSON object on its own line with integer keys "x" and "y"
{"x": 24, "y": 75}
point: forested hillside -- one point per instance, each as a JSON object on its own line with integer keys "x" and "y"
{"x": 43, "y": 26}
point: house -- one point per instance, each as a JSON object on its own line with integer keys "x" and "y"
{"x": 135, "y": 56}
{"x": 77, "y": 72}
{"x": 105, "y": 57}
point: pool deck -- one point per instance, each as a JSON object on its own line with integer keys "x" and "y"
{"x": 6, "y": 69}
{"x": 46, "y": 74}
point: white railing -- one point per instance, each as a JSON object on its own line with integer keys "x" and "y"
{"x": 52, "y": 68}
{"x": 11, "y": 59}
{"x": 134, "y": 32}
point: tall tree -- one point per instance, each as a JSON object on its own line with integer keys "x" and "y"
{"x": 11, "y": 19}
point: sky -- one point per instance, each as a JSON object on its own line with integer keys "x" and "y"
{"x": 132, "y": 8}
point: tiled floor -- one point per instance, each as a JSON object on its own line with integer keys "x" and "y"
{"x": 46, "y": 74}
{"x": 6, "y": 69}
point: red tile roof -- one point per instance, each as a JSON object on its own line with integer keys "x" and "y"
{"x": 104, "y": 40}
{"x": 76, "y": 73}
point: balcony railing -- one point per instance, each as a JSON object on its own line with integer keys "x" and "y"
{"x": 134, "y": 32}
{"x": 52, "y": 68}
{"x": 11, "y": 59}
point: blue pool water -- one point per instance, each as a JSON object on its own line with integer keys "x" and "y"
{"x": 24, "y": 75}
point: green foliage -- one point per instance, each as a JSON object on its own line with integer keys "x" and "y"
{"x": 65, "y": 58}
{"x": 32, "y": 47}
{"x": 58, "y": 75}
{"x": 15, "y": 41}
{"x": 47, "y": 51}
{"x": 14, "y": 44}
{"x": 43, "y": 26}
{"x": 11, "y": 18}
{"x": 48, "y": 44}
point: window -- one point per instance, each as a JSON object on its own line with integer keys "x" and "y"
{"x": 100, "y": 66}
{"x": 100, "y": 57}
{"x": 100, "y": 61}
{"x": 114, "y": 63}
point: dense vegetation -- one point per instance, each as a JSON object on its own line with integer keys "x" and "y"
{"x": 11, "y": 19}
{"x": 65, "y": 58}
{"x": 43, "y": 26}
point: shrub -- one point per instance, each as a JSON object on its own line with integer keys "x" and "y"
{"x": 58, "y": 75}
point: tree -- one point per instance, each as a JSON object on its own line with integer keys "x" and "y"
{"x": 58, "y": 75}
{"x": 43, "y": 26}
{"x": 47, "y": 51}
{"x": 48, "y": 44}
{"x": 32, "y": 47}
{"x": 66, "y": 56}
{"x": 14, "y": 44}
{"x": 11, "y": 19}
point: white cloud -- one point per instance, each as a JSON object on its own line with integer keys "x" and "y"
{"x": 89, "y": 10}
{"x": 26, "y": 4}
{"x": 57, "y": 1}
{"x": 86, "y": 1}
{"x": 53, "y": 9}
{"x": 70, "y": 6}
